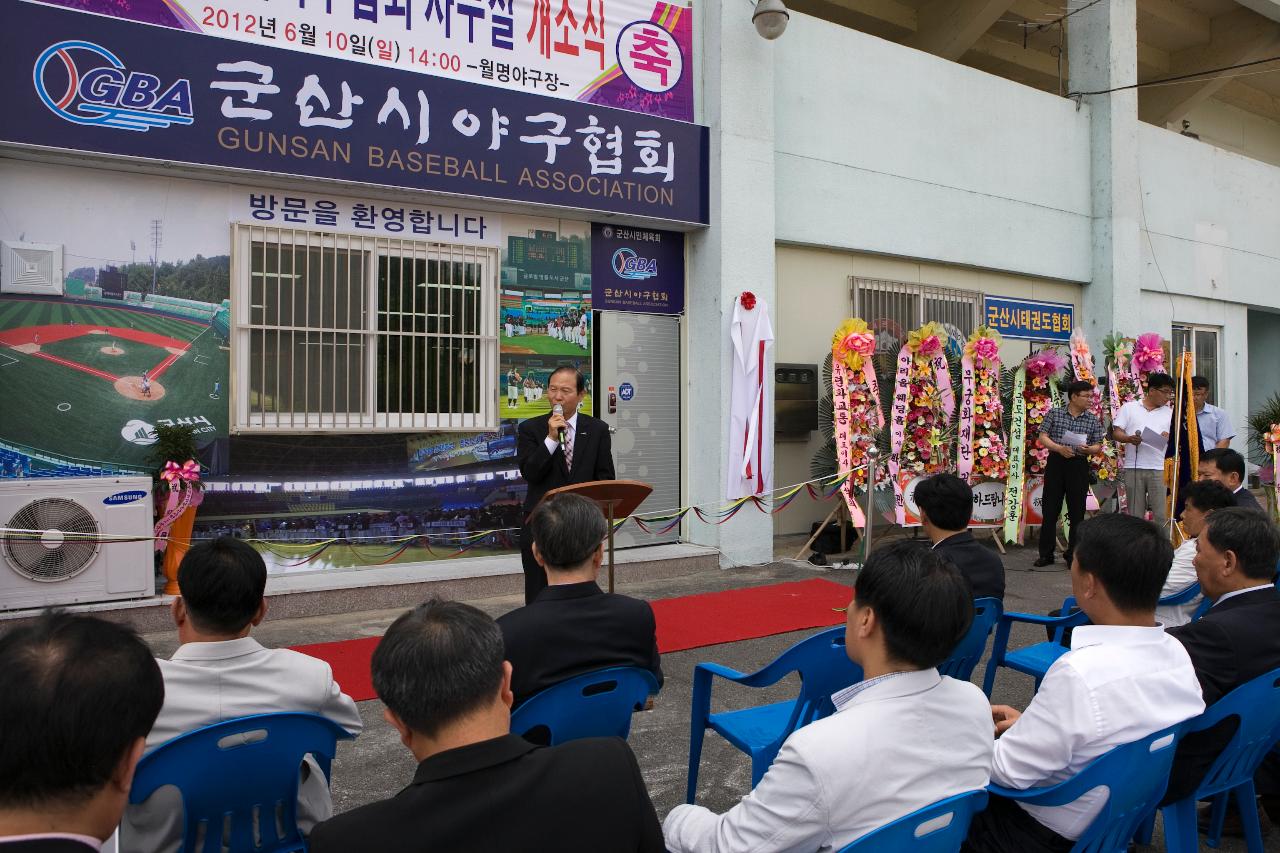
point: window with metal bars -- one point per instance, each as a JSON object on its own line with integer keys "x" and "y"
{"x": 347, "y": 333}
{"x": 894, "y": 308}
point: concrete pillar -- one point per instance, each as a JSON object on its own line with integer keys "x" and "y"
{"x": 1103, "y": 52}
{"x": 735, "y": 254}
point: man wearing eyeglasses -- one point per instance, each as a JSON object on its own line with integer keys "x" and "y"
{"x": 1144, "y": 460}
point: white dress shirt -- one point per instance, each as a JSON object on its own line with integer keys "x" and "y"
{"x": 570, "y": 431}
{"x": 1132, "y": 417}
{"x": 896, "y": 746}
{"x": 1182, "y": 574}
{"x": 1118, "y": 684}
{"x": 206, "y": 683}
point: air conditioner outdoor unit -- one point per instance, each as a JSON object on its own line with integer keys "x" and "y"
{"x": 70, "y": 559}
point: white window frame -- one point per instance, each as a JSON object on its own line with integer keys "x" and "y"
{"x": 245, "y": 420}
{"x": 1215, "y": 391}
{"x": 863, "y": 296}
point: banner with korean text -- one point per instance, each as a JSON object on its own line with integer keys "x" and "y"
{"x": 108, "y": 86}
{"x": 634, "y": 55}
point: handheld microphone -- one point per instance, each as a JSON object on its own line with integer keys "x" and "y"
{"x": 558, "y": 409}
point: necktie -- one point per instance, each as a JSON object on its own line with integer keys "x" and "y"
{"x": 568, "y": 448}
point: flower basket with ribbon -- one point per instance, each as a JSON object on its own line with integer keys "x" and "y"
{"x": 923, "y": 403}
{"x": 1034, "y": 389}
{"x": 1271, "y": 443}
{"x": 178, "y": 491}
{"x": 855, "y": 404}
{"x": 981, "y": 451}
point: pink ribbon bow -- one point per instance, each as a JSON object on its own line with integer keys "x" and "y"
{"x": 174, "y": 474}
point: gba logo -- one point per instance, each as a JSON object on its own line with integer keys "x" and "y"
{"x": 627, "y": 264}
{"x": 85, "y": 83}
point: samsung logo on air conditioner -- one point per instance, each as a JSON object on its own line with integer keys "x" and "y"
{"x": 123, "y": 498}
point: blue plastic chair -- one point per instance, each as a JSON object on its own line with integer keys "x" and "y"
{"x": 824, "y": 668}
{"x": 1256, "y": 705}
{"x": 939, "y": 828}
{"x": 986, "y": 613}
{"x": 1135, "y": 776}
{"x": 594, "y": 704}
{"x": 1185, "y": 595}
{"x": 1036, "y": 659}
{"x": 239, "y": 779}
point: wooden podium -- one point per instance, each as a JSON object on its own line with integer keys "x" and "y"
{"x": 616, "y": 498}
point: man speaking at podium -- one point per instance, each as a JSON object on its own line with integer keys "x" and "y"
{"x": 558, "y": 449}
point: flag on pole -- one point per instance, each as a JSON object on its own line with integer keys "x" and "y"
{"x": 1182, "y": 454}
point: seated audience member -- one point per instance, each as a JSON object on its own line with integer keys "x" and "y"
{"x": 1238, "y": 639}
{"x": 79, "y": 695}
{"x": 901, "y": 739}
{"x": 479, "y": 789}
{"x": 572, "y": 627}
{"x": 946, "y": 506}
{"x": 1227, "y": 467}
{"x": 220, "y": 673}
{"x": 1202, "y": 498}
{"x": 1123, "y": 679}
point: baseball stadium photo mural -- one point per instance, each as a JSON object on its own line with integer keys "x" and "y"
{"x": 88, "y": 375}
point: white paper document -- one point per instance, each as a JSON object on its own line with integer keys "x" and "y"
{"x": 1074, "y": 439}
{"x": 1154, "y": 440}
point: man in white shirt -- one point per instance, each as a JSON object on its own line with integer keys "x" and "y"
{"x": 1202, "y": 498}
{"x": 903, "y": 738}
{"x": 1123, "y": 679}
{"x": 1214, "y": 424}
{"x": 79, "y": 695}
{"x": 1144, "y": 463}
{"x": 221, "y": 673}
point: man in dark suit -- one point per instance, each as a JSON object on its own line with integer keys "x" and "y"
{"x": 572, "y": 626}
{"x": 946, "y": 506}
{"x": 1227, "y": 467}
{"x": 479, "y": 789}
{"x": 1239, "y": 638}
{"x": 79, "y": 696}
{"x": 558, "y": 450}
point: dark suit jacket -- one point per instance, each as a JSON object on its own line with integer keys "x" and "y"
{"x": 1244, "y": 498}
{"x": 1236, "y": 641}
{"x": 505, "y": 795}
{"x": 981, "y": 566}
{"x": 45, "y": 845}
{"x": 575, "y": 628}
{"x": 542, "y": 471}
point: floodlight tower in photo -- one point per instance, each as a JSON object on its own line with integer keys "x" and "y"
{"x": 157, "y": 239}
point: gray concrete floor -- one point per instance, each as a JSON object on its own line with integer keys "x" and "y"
{"x": 375, "y": 766}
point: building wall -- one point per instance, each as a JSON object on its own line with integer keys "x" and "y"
{"x": 1210, "y": 251}
{"x": 884, "y": 149}
{"x": 1213, "y": 218}
{"x": 813, "y": 288}
{"x": 1234, "y": 129}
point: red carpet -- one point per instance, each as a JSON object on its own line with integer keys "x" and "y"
{"x": 688, "y": 622}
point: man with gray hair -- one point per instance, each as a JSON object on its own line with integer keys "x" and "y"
{"x": 573, "y": 626}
